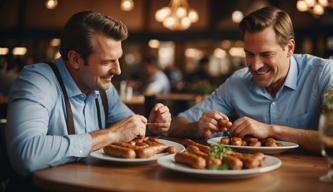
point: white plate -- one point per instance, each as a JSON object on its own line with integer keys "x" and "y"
{"x": 250, "y": 149}
{"x": 99, "y": 154}
{"x": 270, "y": 164}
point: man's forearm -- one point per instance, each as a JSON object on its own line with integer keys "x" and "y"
{"x": 102, "y": 138}
{"x": 182, "y": 128}
{"x": 307, "y": 139}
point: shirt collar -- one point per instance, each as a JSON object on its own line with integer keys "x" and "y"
{"x": 291, "y": 80}
{"x": 71, "y": 87}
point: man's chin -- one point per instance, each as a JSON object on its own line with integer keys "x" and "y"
{"x": 105, "y": 86}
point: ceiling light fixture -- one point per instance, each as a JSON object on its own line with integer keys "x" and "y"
{"x": 51, "y": 4}
{"x": 315, "y": 7}
{"x": 126, "y": 5}
{"x": 178, "y": 15}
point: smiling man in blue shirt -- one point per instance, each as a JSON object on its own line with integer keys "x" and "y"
{"x": 277, "y": 95}
{"x": 49, "y": 124}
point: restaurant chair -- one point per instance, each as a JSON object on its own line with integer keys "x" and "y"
{"x": 4, "y": 162}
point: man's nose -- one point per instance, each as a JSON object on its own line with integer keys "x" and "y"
{"x": 116, "y": 68}
{"x": 256, "y": 63}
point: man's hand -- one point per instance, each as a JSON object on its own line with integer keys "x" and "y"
{"x": 208, "y": 123}
{"x": 247, "y": 126}
{"x": 129, "y": 128}
{"x": 161, "y": 117}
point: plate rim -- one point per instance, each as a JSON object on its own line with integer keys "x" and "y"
{"x": 219, "y": 173}
{"x": 99, "y": 154}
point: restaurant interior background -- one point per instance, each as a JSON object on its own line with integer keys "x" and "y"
{"x": 30, "y": 31}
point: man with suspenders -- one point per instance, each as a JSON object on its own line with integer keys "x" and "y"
{"x": 59, "y": 112}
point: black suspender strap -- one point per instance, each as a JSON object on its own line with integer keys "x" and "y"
{"x": 98, "y": 114}
{"x": 105, "y": 104}
{"x": 69, "y": 116}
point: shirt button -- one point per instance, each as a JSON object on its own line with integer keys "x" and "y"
{"x": 80, "y": 151}
{"x": 273, "y": 103}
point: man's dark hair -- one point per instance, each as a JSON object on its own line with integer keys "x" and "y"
{"x": 266, "y": 17}
{"x": 78, "y": 33}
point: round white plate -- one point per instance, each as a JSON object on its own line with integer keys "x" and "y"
{"x": 99, "y": 154}
{"x": 270, "y": 164}
{"x": 250, "y": 149}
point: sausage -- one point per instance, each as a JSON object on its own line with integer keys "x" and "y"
{"x": 119, "y": 151}
{"x": 232, "y": 162}
{"x": 236, "y": 141}
{"x": 225, "y": 140}
{"x": 203, "y": 148}
{"x": 252, "y": 141}
{"x": 150, "y": 151}
{"x": 190, "y": 160}
{"x": 210, "y": 161}
{"x": 130, "y": 146}
{"x": 270, "y": 142}
{"x": 249, "y": 160}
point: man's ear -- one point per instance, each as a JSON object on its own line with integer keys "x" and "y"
{"x": 291, "y": 47}
{"x": 74, "y": 59}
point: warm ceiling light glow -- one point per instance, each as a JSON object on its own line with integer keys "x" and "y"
{"x": 193, "y": 15}
{"x": 310, "y": 3}
{"x": 301, "y": 6}
{"x": 4, "y": 50}
{"x": 323, "y": 3}
{"x": 162, "y": 14}
{"x": 219, "y": 53}
{"x": 51, "y": 4}
{"x": 126, "y": 5}
{"x": 193, "y": 53}
{"x": 318, "y": 9}
{"x": 177, "y": 16}
{"x": 154, "y": 43}
{"x": 237, "y": 52}
{"x": 237, "y": 16}
{"x": 226, "y": 44}
{"x": 55, "y": 42}
{"x": 19, "y": 51}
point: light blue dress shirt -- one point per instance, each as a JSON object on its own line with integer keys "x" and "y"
{"x": 159, "y": 83}
{"x": 296, "y": 104}
{"x": 36, "y": 132}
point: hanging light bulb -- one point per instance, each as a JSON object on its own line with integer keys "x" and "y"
{"x": 301, "y": 6}
{"x": 51, "y": 4}
{"x": 126, "y": 5}
{"x": 177, "y": 16}
{"x": 316, "y": 7}
{"x": 237, "y": 16}
{"x": 193, "y": 15}
{"x": 162, "y": 14}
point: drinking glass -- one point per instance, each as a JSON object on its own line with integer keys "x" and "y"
{"x": 326, "y": 136}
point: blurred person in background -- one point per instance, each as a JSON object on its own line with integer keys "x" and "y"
{"x": 157, "y": 81}
{"x": 202, "y": 73}
{"x": 175, "y": 77}
{"x": 278, "y": 94}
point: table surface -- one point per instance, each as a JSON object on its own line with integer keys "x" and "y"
{"x": 299, "y": 172}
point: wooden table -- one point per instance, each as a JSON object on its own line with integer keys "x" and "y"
{"x": 298, "y": 172}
